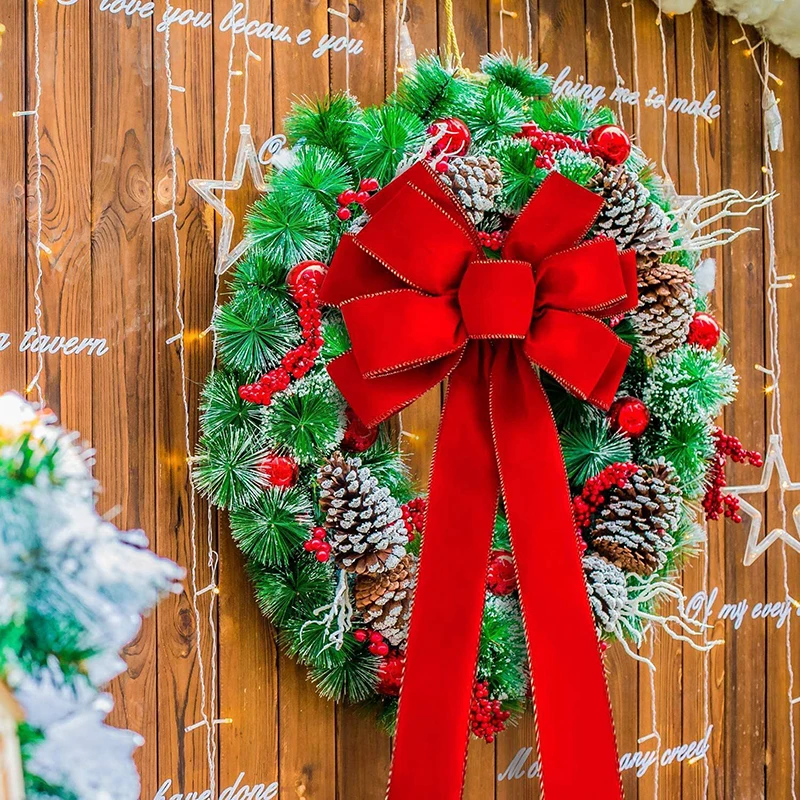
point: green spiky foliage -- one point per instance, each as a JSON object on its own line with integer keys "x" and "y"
{"x": 385, "y": 136}
{"x": 571, "y": 115}
{"x": 501, "y": 538}
{"x": 227, "y": 467}
{"x": 580, "y": 168}
{"x": 432, "y": 89}
{"x": 336, "y": 341}
{"x": 569, "y": 411}
{"x": 222, "y": 408}
{"x": 293, "y": 227}
{"x": 316, "y": 172}
{"x": 274, "y": 527}
{"x": 326, "y": 122}
{"x": 253, "y": 335}
{"x": 521, "y": 176}
{"x": 590, "y": 448}
{"x": 307, "y": 420}
{"x": 688, "y": 445}
{"x": 352, "y": 674}
{"x": 261, "y": 271}
{"x": 520, "y": 74}
{"x": 293, "y": 592}
{"x": 501, "y": 654}
{"x": 496, "y": 111}
{"x": 689, "y": 383}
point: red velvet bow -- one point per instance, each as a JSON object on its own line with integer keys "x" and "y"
{"x": 422, "y": 303}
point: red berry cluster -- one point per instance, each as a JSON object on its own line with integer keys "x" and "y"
{"x": 318, "y": 544}
{"x": 297, "y": 362}
{"x": 594, "y": 491}
{"x": 377, "y": 644}
{"x": 548, "y": 143}
{"x": 716, "y": 502}
{"x": 390, "y": 675}
{"x": 366, "y": 189}
{"x": 494, "y": 240}
{"x": 414, "y": 516}
{"x": 486, "y": 717}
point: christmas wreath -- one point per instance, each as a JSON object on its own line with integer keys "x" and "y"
{"x": 486, "y": 170}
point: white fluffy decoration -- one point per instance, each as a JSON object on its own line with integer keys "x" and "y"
{"x": 64, "y": 566}
{"x": 778, "y": 20}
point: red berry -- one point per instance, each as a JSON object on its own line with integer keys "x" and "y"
{"x": 362, "y": 197}
{"x": 344, "y": 214}
{"x": 382, "y": 649}
{"x": 442, "y": 166}
{"x": 375, "y": 637}
{"x": 323, "y": 555}
{"x": 311, "y": 545}
{"x": 370, "y": 185}
{"x": 318, "y": 533}
{"x": 360, "y": 635}
{"x": 346, "y": 197}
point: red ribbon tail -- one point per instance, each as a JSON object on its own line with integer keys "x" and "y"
{"x": 577, "y": 744}
{"x": 433, "y": 722}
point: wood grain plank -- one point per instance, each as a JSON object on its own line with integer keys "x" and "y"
{"x": 367, "y": 72}
{"x": 780, "y": 778}
{"x": 697, "y": 666}
{"x": 65, "y": 133}
{"x": 622, "y": 670}
{"x": 13, "y": 185}
{"x": 307, "y": 723}
{"x": 248, "y": 664}
{"x": 745, "y": 736}
{"x": 122, "y": 312}
{"x": 182, "y": 756}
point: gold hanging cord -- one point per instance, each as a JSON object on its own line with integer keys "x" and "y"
{"x": 451, "y": 49}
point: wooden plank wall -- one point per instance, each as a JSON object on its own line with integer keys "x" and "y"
{"x": 107, "y": 168}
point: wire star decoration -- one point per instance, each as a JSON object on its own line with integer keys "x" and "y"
{"x": 246, "y": 158}
{"x": 774, "y": 462}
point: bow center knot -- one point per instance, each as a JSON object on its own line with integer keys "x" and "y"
{"x": 497, "y": 299}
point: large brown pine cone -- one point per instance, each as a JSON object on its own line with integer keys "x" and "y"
{"x": 476, "y": 181}
{"x": 634, "y": 530}
{"x": 666, "y": 307}
{"x": 628, "y": 216}
{"x": 364, "y": 522}
{"x": 384, "y": 599}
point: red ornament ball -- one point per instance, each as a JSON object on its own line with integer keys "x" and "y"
{"x": 456, "y": 138}
{"x": 704, "y": 331}
{"x": 502, "y": 577}
{"x": 610, "y": 143}
{"x": 390, "y": 675}
{"x": 629, "y": 415}
{"x": 357, "y": 437}
{"x": 280, "y": 471}
{"x": 305, "y": 268}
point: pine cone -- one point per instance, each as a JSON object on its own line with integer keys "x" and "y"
{"x": 365, "y": 523}
{"x": 607, "y": 591}
{"x": 634, "y": 528}
{"x": 476, "y": 181}
{"x": 666, "y": 307}
{"x": 628, "y": 216}
{"x": 385, "y": 599}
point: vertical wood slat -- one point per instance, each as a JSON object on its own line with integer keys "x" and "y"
{"x": 14, "y": 188}
{"x": 122, "y": 312}
{"x": 745, "y": 648}
{"x": 248, "y": 663}
{"x": 695, "y": 664}
{"x": 182, "y": 756}
{"x": 779, "y": 776}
